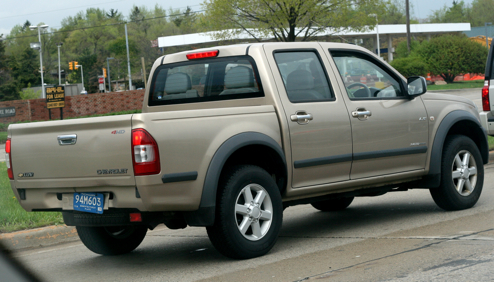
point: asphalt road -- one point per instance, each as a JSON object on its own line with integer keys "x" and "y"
{"x": 401, "y": 236}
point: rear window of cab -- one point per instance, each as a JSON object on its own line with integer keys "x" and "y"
{"x": 203, "y": 80}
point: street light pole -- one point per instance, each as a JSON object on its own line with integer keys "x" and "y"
{"x": 108, "y": 67}
{"x": 59, "y": 73}
{"x": 82, "y": 75}
{"x": 33, "y": 27}
{"x": 128, "y": 58}
{"x": 377, "y": 32}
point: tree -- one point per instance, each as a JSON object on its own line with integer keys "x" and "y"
{"x": 394, "y": 13}
{"x": 451, "y": 55}
{"x": 410, "y": 66}
{"x": 457, "y": 13}
{"x": 112, "y": 14}
{"x": 26, "y": 25}
{"x": 185, "y": 21}
{"x": 29, "y": 93}
{"x": 402, "y": 49}
{"x": 7, "y": 84}
{"x": 287, "y": 20}
{"x": 483, "y": 11}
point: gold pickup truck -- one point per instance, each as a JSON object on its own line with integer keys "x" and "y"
{"x": 230, "y": 136}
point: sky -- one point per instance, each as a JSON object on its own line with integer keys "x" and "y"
{"x": 52, "y": 12}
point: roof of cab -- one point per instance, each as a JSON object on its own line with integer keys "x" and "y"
{"x": 242, "y": 49}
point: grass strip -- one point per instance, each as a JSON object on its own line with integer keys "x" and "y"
{"x": 490, "y": 140}
{"x": 458, "y": 85}
{"x": 13, "y": 217}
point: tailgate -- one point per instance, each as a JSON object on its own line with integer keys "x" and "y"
{"x": 101, "y": 155}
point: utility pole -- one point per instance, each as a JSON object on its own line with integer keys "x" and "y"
{"x": 128, "y": 57}
{"x": 377, "y": 32}
{"x": 108, "y": 66}
{"x": 144, "y": 72}
{"x": 59, "y": 73}
{"x": 33, "y": 27}
{"x": 82, "y": 76}
{"x": 408, "y": 26}
{"x": 487, "y": 35}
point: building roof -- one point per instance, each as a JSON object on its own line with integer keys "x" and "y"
{"x": 397, "y": 30}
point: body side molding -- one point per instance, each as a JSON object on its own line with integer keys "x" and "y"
{"x": 389, "y": 153}
{"x": 322, "y": 161}
{"x": 178, "y": 177}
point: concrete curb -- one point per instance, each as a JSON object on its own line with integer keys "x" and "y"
{"x": 39, "y": 237}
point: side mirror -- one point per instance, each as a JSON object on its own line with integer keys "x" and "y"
{"x": 416, "y": 85}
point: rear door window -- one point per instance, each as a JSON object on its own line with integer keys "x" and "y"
{"x": 303, "y": 76}
{"x": 205, "y": 80}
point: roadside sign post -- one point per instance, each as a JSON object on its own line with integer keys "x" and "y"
{"x": 55, "y": 98}
{"x": 101, "y": 81}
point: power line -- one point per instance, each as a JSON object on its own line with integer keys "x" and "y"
{"x": 105, "y": 25}
{"x": 78, "y": 7}
{"x": 58, "y": 10}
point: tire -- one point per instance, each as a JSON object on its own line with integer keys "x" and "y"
{"x": 462, "y": 175}
{"x": 333, "y": 204}
{"x": 249, "y": 213}
{"x": 112, "y": 240}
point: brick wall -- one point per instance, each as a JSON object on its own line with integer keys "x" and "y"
{"x": 80, "y": 105}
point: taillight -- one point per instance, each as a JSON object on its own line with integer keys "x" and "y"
{"x": 145, "y": 153}
{"x": 135, "y": 217}
{"x": 486, "y": 104}
{"x": 201, "y": 55}
{"x": 8, "y": 158}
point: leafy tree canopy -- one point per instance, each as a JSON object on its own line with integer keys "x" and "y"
{"x": 287, "y": 20}
{"x": 457, "y": 13}
{"x": 482, "y": 11}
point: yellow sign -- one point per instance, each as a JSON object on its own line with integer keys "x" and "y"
{"x": 55, "y": 97}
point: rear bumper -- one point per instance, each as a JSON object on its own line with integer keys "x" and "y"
{"x": 173, "y": 197}
{"x": 487, "y": 122}
{"x": 111, "y": 217}
{"x": 41, "y": 199}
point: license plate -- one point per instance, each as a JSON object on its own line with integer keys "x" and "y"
{"x": 89, "y": 202}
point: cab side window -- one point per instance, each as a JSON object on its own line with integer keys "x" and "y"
{"x": 303, "y": 76}
{"x": 364, "y": 78}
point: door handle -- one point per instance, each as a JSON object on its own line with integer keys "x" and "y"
{"x": 67, "y": 139}
{"x": 301, "y": 117}
{"x": 361, "y": 113}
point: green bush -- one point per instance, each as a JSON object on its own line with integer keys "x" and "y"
{"x": 4, "y": 126}
{"x": 410, "y": 66}
{"x": 29, "y": 93}
{"x": 451, "y": 55}
{"x": 402, "y": 49}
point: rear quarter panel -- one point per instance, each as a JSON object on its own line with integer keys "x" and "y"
{"x": 187, "y": 141}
